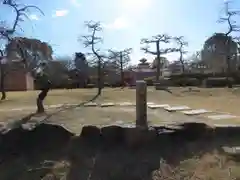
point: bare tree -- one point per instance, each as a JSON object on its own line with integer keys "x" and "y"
{"x": 67, "y": 62}
{"x": 121, "y": 59}
{"x": 232, "y": 27}
{"x": 34, "y": 56}
{"x": 181, "y": 43}
{"x": 162, "y": 38}
{"x": 7, "y": 33}
{"x": 91, "y": 41}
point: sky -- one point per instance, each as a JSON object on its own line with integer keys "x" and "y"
{"x": 124, "y": 22}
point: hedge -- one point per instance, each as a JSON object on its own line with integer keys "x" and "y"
{"x": 185, "y": 82}
{"x": 217, "y": 82}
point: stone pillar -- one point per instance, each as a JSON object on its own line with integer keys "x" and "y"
{"x": 141, "y": 104}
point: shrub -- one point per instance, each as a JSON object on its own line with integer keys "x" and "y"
{"x": 216, "y": 82}
{"x": 185, "y": 81}
{"x": 107, "y": 84}
{"x": 90, "y": 86}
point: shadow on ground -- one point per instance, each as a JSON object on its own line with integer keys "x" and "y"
{"x": 51, "y": 152}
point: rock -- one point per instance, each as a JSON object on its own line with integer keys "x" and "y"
{"x": 45, "y": 137}
{"x": 12, "y": 141}
{"x": 135, "y": 137}
{"x": 194, "y": 131}
{"x": 227, "y": 131}
{"x": 91, "y": 133}
{"x": 112, "y": 134}
{"x": 48, "y": 136}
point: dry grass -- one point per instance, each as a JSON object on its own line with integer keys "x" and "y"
{"x": 219, "y": 99}
{"x": 212, "y": 166}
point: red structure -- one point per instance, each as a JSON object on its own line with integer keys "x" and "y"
{"x": 19, "y": 79}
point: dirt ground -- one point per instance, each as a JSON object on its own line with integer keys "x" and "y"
{"x": 218, "y": 99}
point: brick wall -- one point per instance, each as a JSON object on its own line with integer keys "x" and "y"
{"x": 19, "y": 80}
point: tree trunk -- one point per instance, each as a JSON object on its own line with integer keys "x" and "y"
{"x": 99, "y": 78}
{"x": 158, "y": 61}
{"x": 229, "y": 83}
{"x": 228, "y": 59}
{"x": 183, "y": 68}
{"x": 121, "y": 69}
{"x": 182, "y": 62}
{"x": 4, "y": 96}
{"x": 2, "y": 83}
{"x": 42, "y": 95}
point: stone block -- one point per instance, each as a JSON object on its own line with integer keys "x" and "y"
{"x": 112, "y": 134}
{"x": 90, "y": 133}
{"x": 136, "y": 137}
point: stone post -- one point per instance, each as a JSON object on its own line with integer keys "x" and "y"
{"x": 141, "y": 104}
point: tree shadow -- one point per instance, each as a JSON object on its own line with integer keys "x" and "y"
{"x": 50, "y": 150}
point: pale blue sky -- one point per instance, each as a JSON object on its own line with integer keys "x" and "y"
{"x": 125, "y": 22}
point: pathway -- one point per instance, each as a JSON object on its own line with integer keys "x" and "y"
{"x": 158, "y": 114}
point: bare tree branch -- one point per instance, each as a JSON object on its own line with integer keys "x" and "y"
{"x": 181, "y": 43}
{"x": 90, "y": 41}
{"x": 20, "y": 11}
{"x": 121, "y": 59}
{"x": 147, "y": 51}
{"x": 161, "y": 38}
{"x": 7, "y": 33}
{"x": 232, "y": 27}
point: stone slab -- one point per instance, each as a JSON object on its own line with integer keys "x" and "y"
{"x": 150, "y": 103}
{"x": 156, "y": 106}
{"x": 226, "y": 125}
{"x": 221, "y": 116}
{"x": 119, "y": 122}
{"x": 231, "y": 150}
{"x": 55, "y": 106}
{"x": 195, "y": 112}
{"x": 90, "y": 104}
{"x": 126, "y": 104}
{"x": 107, "y": 104}
{"x": 177, "y": 108}
{"x": 17, "y": 109}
